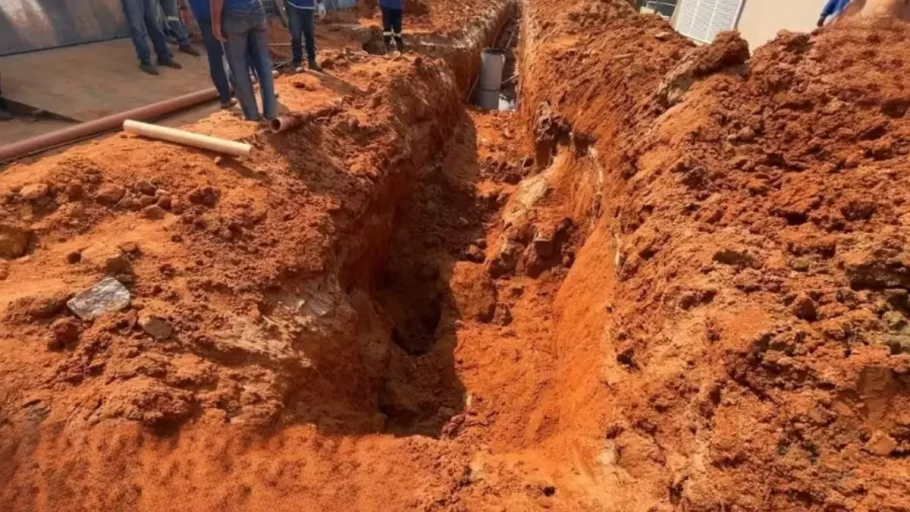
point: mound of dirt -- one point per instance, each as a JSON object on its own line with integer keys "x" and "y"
{"x": 754, "y": 309}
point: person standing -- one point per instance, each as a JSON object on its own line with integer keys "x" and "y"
{"x": 177, "y": 28}
{"x": 202, "y": 11}
{"x": 832, "y": 8}
{"x": 242, "y": 26}
{"x": 300, "y": 21}
{"x": 141, "y": 16}
{"x": 392, "y": 14}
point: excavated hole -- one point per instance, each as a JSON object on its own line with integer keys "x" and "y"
{"x": 436, "y": 226}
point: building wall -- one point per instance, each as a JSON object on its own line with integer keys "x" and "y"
{"x": 761, "y": 20}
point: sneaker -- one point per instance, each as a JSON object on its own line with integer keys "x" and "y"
{"x": 170, "y": 63}
{"x": 314, "y": 66}
{"x": 5, "y": 116}
{"x": 229, "y": 103}
{"x": 148, "y": 67}
{"x": 189, "y": 50}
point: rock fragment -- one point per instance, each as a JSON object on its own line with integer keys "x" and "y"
{"x": 107, "y": 296}
{"x": 33, "y": 191}
{"x": 109, "y": 194}
{"x": 156, "y": 327}
{"x": 14, "y": 241}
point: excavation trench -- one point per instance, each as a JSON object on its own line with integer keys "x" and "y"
{"x": 400, "y": 272}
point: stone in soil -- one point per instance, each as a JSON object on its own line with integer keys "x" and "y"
{"x": 108, "y": 296}
{"x": 65, "y": 332}
{"x": 109, "y": 194}
{"x": 156, "y": 327}
{"x": 14, "y": 241}
{"x": 33, "y": 191}
{"x": 880, "y": 444}
{"x": 153, "y": 212}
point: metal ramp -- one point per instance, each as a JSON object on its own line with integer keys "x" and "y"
{"x": 28, "y": 25}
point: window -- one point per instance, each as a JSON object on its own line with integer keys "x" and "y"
{"x": 703, "y": 19}
{"x": 663, "y": 7}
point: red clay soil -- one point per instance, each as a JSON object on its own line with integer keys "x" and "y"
{"x": 747, "y": 279}
{"x": 674, "y": 279}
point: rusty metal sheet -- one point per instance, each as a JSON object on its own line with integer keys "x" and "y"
{"x": 27, "y": 25}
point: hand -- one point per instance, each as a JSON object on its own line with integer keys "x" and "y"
{"x": 218, "y": 35}
{"x": 320, "y": 10}
{"x": 821, "y": 22}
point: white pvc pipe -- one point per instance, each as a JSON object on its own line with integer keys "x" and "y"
{"x": 152, "y": 131}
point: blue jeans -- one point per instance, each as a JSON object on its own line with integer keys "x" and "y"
{"x": 172, "y": 17}
{"x": 301, "y": 22}
{"x": 141, "y": 16}
{"x": 247, "y": 40}
{"x": 215, "y": 52}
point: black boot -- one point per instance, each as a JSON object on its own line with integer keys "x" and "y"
{"x": 170, "y": 63}
{"x": 313, "y": 65}
{"x": 387, "y": 40}
{"x": 399, "y": 44}
{"x": 148, "y": 67}
{"x": 189, "y": 50}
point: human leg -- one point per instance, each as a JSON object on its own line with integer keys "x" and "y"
{"x": 215, "y": 53}
{"x": 262, "y": 62}
{"x": 396, "y": 28}
{"x": 308, "y": 20}
{"x": 236, "y": 30}
{"x": 159, "y": 40}
{"x": 295, "y": 27}
{"x": 176, "y": 27}
{"x": 134, "y": 13}
{"x": 387, "y": 28}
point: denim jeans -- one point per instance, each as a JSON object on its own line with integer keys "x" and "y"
{"x": 247, "y": 39}
{"x": 215, "y": 52}
{"x": 172, "y": 17}
{"x": 141, "y": 16}
{"x": 301, "y": 22}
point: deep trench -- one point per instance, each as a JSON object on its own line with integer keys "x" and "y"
{"x": 437, "y": 223}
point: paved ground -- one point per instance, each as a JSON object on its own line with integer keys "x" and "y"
{"x": 89, "y": 81}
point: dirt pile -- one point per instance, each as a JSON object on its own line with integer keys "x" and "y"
{"x": 753, "y": 299}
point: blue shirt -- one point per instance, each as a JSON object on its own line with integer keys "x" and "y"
{"x": 303, "y": 4}
{"x": 244, "y": 7}
{"x": 202, "y": 10}
{"x": 390, "y": 4}
{"x": 834, "y": 7}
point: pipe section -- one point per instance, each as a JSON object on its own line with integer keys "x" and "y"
{"x": 152, "y": 131}
{"x": 112, "y": 122}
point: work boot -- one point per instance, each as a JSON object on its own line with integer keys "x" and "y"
{"x": 399, "y": 44}
{"x": 5, "y": 116}
{"x": 171, "y": 63}
{"x": 189, "y": 50}
{"x": 314, "y": 66}
{"x": 148, "y": 67}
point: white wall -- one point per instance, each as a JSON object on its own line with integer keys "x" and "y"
{"x": 761, "y": 20}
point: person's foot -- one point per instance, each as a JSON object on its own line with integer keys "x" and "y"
{"x": 314, "y": 66}
{"x": 170, "y": 63}
{"x": 148, "y": 67}
{"x": 229, "y": 103}
{"x": 5, "y": 116}
{"x": 189, "y": 50}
